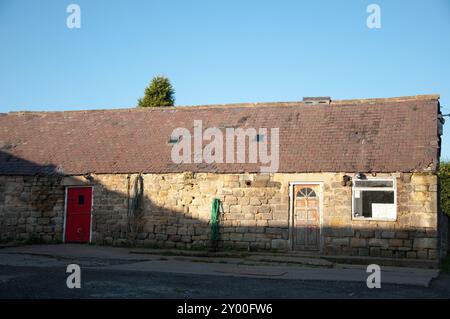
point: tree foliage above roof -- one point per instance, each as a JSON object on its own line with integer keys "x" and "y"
{"x": 159, "y": 93}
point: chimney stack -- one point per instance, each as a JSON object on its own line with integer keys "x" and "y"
{"x": 317, "y": 100}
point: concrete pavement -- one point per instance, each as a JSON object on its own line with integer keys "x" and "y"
{"x": 246, "y": 265}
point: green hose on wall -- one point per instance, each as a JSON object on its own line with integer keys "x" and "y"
{"x": 215, "y": 209}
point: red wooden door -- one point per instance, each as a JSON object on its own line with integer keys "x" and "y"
{"x": 78, "y": 214}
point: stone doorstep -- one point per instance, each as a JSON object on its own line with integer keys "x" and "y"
{"x": 313, "y": 259}
{"x": 301, "y": 258}
{"x": 189, "y": 253}
{"x": 239, "y": 258}
{"x": 364, "y": 261}
{"x": 9, "y": 245}
{"x": 394, "y": 262}
{"x": 257, "y": 260}
{"x": 315, "y": 262}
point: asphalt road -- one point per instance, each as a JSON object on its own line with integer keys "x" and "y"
{"x": 50, "y": 282}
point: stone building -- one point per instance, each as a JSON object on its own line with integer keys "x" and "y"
{"x": 353, "y": 177}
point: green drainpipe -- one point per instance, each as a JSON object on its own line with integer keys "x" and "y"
{"x": 215, "y": 219}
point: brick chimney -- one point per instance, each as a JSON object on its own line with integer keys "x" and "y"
{"x": 317, "y": 100}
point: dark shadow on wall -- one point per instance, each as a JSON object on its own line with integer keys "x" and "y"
{"x": 11, "y": 165}
{"x": 443, "y": 221}
{"x": 32, "y": 206}
{"x": 30, "y": 198}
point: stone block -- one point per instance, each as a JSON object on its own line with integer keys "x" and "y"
{"x": 422, "y": 254}
{"x": 388, "y": 234}
{"x": 262, "y": 223}
{"x": 243, "y": 201}
{"x": 387, "y": 253}
{"x": 273, "y": 230}
{"x": 278, "y": 223}
{"x": 248, "y": 223}
{"x": 279, "y": 244}
{"x": 238, "y": 192}
{"x": 280, "y": 216}
{"x": 339, "y": 232}
{"x": 420, "y": 196}
{"x": 263, "y": 210}
{"x": 235, "y": 209}
{"x": 186, "y": 239}
{"x": 401, "y": 234}
{"x": 363, "y": 252}
{"x": 411, "y": 254}
{"x": 433, "y": 254}
{"x": 248, "y": 209}
{"x": 257, "y": 245}
{"x": 420, "y": 188}
{"x": 340, "y": 241}
{"x": 375, "y": 251}
{"x": 379, "y": 242}
{"x": 423, "y": 179}
{"x": 282, "y": 208}
{"x": 423, "y": 220}
{"x": 255, "y": 201}
{"x": 420, "y": 243}
{"x": 230, "y": 200}
{"x": 171, "y": 230}
{"x": 264, "y": 216}
{"x": 366, "y": 233}
{"x": 358, "y": 242}
{"x": 161, "y": 236}
{"x": 236, "y": 236}
{"x": 395, "y": 242}
{"x": 249, "y": 237}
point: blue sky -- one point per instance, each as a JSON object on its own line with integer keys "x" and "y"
{"x": 220, "y": 52}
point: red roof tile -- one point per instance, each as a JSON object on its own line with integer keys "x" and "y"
{"x": 380, "y": 135}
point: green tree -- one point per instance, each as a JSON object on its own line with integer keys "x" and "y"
{"x": 444, "y": 183}
{"x": 159, "y": 93}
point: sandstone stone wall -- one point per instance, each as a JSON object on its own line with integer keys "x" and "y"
{"x": 413, "y": 235}
{"x": 176, "y": 208}
{"x": 31, "y": 207}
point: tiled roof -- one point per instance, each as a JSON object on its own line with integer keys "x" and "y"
{"x": 371, "y": 135}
